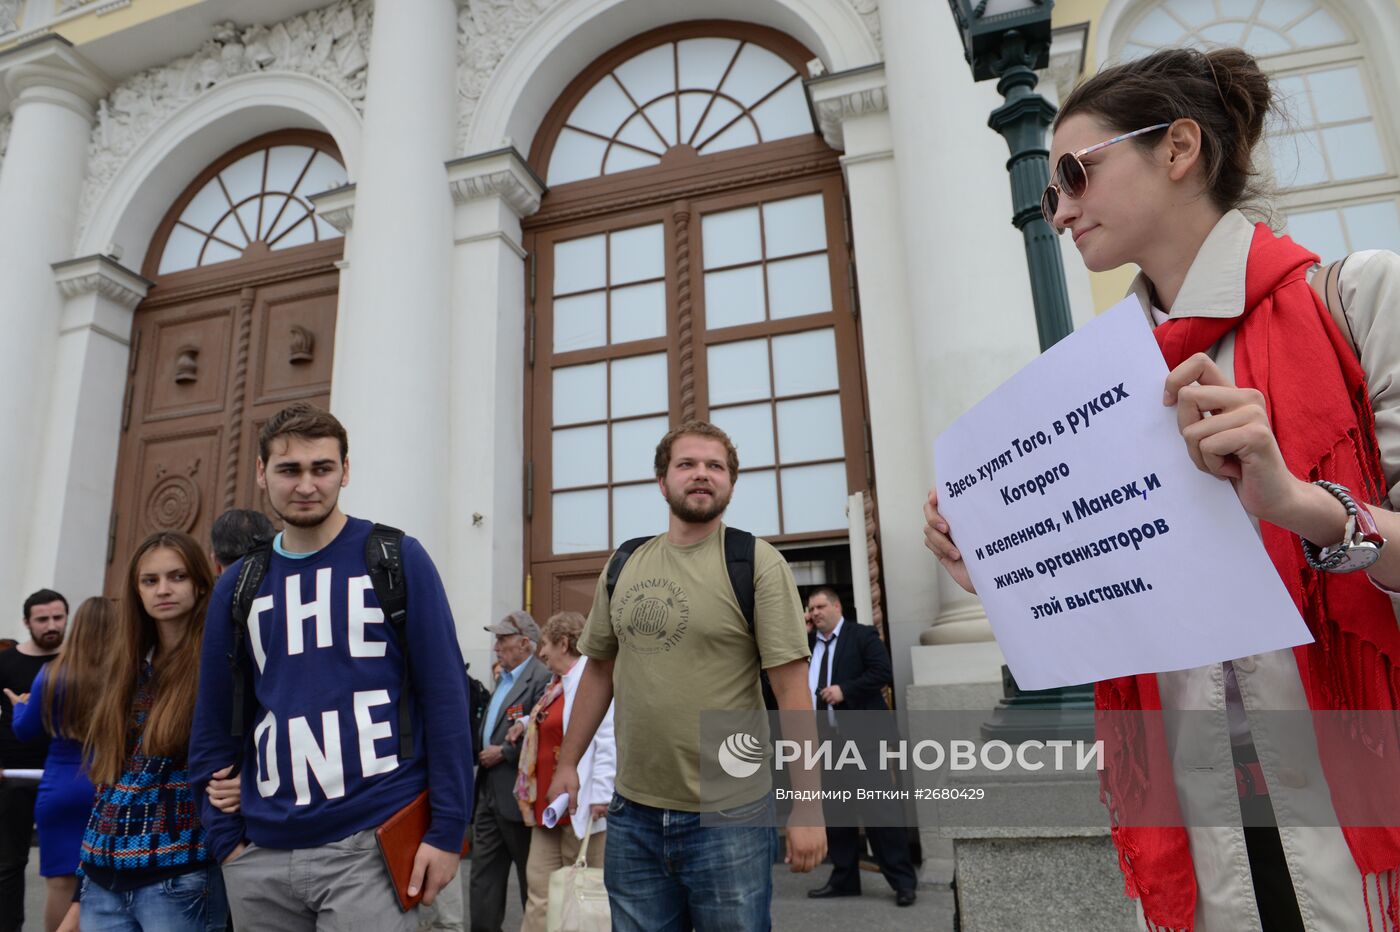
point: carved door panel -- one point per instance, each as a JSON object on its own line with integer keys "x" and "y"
{"x": 563, "y": 586}
{"x": 293, "y": 336}
{"x": 205, "y": 374}
{"x": 173, "y": 424}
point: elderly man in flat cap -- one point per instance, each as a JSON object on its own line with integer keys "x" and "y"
{"x": 499, "y": 834}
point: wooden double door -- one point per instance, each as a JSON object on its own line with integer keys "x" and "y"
{"x": 213, "y": 356}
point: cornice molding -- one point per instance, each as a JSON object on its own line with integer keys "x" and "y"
{"x": 499, "y": 173}
{"x": 68, "y": 10}
{"x": 101, "y": 275}
{"x": 50, "y": 68}
{"x": 839, "y": 97}
{"x": 336, "y": 206}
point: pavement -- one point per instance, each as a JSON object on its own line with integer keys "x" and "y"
{"x": 792, "y": 910}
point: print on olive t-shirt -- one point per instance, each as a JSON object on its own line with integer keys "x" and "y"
{"x": 681, "y": 646}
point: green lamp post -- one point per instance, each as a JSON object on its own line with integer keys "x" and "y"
{"x": 1008, "y": 40}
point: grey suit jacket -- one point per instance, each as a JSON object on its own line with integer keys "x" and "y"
{"x": 500, "y": 779}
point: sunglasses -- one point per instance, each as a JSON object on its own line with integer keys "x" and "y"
{"x": 1072, "y": 180}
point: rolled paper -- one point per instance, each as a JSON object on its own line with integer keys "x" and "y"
{"x": 557, "y": 810}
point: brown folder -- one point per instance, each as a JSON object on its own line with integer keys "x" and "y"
{"x": 399, "y": 838}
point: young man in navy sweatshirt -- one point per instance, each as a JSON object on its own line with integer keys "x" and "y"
{"x": 320, "y": 764}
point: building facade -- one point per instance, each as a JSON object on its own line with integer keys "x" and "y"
{"x": 509, "y": 242}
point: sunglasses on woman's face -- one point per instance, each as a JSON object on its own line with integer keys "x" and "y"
{"x": 1072, "y": 180}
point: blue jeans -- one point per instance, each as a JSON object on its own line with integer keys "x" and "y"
{"x": 665, "y": 872}
{"x": 191, "y": 902}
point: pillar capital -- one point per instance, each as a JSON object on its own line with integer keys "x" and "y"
{"x": 845, "y": 94}
{"x": 50, "y": 69}
{"x": 499, "y": 173}
{"x": 336, "y": 206}
{"x": 102, "y": 275}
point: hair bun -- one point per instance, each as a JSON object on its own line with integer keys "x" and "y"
{"x": 1244, "y": 90}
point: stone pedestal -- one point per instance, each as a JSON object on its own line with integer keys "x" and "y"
{"x": 1042, "y": 884}
{"x": 948, "y": 677}
{"x": 1035, "y": 878}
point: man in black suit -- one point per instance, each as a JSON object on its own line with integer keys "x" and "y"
{"x": 850, "y": 669}
{"x": 500, "y": 836}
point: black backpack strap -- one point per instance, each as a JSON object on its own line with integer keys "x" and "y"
{"x": 738, "y": 559}
{"x": 619, "y": 558}
{"x": 250, "y": 577}
{"x": 384, "y": 563}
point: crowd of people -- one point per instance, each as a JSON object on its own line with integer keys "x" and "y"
{"x": 219, "y": 745}
{"x": 240, "y": 736}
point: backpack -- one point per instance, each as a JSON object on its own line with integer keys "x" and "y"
{"x": 384, "y": 563}
{"x": 738, "y": 560}
{"x": 478, "y": 698}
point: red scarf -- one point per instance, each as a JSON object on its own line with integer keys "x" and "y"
{"x": 1288, "y": 347}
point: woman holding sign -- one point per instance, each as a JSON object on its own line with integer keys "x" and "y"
{"x": 1293, "y": 394}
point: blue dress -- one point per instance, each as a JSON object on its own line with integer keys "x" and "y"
{"x": 65, "y": 793}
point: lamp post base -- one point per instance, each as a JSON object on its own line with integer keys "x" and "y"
{"x": 1065, "y": 713}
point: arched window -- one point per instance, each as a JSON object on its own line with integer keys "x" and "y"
{"x": 257, "y": 196}
{"x": 691, "y": 260}
{"x": 1262, "y": 27}
{"x": 1334, "y": 161}
{"x": 710, "y": 94}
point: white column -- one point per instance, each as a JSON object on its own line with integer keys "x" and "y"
{"x": 391, "y": 360}
{"x": 969, "y": 289}
{"x": 83, "y": 426}
{"x": 852, "y": 111}
{"x": 52, "y": 93}
{"x": 493, "y": 191}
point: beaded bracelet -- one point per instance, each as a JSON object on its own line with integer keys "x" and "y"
{"x": 1320, "y": 558}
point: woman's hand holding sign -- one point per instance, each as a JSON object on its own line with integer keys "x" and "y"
{"x": 1227, "y": 434}
{"x": 938, "y": 538}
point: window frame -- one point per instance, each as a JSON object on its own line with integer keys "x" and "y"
{"x": 780, "y": 44}
{"x": 313, "y": 139}
{"x": 691, "y": 185}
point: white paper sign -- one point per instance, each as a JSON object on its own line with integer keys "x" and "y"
{"x": 1096, "y": 545}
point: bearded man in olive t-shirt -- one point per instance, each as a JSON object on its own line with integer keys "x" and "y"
{"x": 663, "y": 865}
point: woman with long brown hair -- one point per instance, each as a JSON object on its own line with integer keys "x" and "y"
{"x": 60, "y": 703}
{"x": 144, "y": 861}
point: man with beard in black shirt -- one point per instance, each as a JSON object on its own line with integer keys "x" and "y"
{"x": 46, "y": 617}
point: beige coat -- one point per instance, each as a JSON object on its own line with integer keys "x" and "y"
{"x": 1324, "y": 875}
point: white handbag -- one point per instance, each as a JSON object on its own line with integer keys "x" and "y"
{"x": 578, "y": 902}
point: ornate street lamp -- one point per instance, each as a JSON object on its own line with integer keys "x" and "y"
{"x": 1008, "y": 40}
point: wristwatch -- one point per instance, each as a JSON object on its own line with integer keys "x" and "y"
{"x": 1361, "y": 543}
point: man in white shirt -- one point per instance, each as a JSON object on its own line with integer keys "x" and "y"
{"x": 849, "y": 672}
